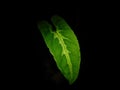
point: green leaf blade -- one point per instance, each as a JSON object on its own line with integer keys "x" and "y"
{"x": 64, "y": 47}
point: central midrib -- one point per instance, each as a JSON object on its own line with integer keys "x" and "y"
{"x": 64, "y": 49}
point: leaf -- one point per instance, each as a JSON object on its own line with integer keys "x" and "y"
{"x": 63, "y": 45}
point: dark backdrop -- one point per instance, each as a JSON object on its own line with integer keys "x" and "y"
{"x": 32, "y": 66}
{"x": 41, "y": 70}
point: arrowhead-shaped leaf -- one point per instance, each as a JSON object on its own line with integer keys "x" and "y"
{"x": 63, "y": 45}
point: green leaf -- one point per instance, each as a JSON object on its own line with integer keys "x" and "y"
{"x": 63, "y": 45}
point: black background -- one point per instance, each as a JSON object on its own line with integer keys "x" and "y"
{"x": 32, "y": 66}
{"x": 41, "y": 66}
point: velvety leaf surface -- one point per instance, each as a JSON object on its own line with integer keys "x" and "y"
{"x": 63, "y": 45}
